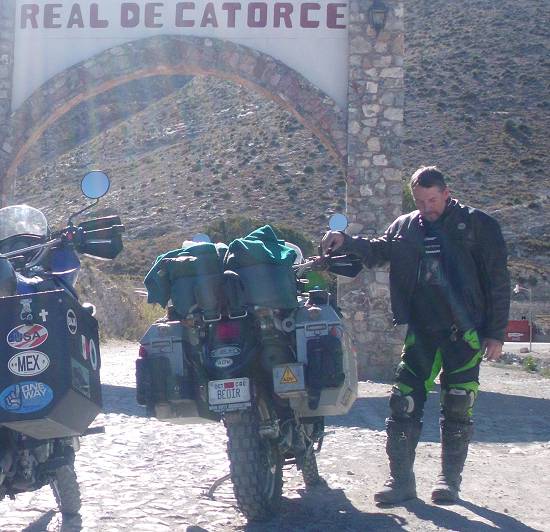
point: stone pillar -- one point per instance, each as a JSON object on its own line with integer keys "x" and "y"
{"x": 374, "y": 178}
{"x": 7, "y": 36}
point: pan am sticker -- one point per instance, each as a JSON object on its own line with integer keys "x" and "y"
{"x": 27, "y": 336}
{"x": 28, "y": 363}
{"x": 25, "y": 397}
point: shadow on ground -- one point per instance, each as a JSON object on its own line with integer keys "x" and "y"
{"x": 447, "y": 519}
{"x": 327, "y": 509}
{"x": 52, "y": 520}
{"x": 121, "y": 400}
{"x": 499, "y": 418}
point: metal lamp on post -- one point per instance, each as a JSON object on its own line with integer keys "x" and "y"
{"x": 517, "y": 290}
{"x": 377, "y": 13}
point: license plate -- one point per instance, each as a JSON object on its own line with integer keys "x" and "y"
{"x": 227, "y": 393}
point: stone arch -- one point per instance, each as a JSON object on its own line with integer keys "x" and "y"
{"x": 173, "y": 55}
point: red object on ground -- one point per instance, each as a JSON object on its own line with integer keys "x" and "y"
{"x": 517, "y": 331}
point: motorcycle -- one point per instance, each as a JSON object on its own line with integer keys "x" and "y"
{"x": 50, "y": 389}
{"x": 243, "y": 342}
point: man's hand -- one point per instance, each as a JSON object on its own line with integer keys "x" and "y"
{"x": 493, "y": 349}
{"x": 331, "y": 241}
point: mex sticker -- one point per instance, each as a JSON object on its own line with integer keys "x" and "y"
{"x": 28, "y": 363}
{"x": 27, "y": 336}
{"x": 25, "y": 397}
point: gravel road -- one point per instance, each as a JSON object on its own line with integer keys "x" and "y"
{"x": 147, "y": 475}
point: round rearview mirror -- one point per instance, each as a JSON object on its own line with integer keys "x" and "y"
{"x": 95, "y": 184}
{"x": 338, "y": 222}
{"x": 201, "y": 237}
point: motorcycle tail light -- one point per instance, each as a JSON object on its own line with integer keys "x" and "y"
{"x": 142, "y": 352}
{"x": 228, "y": 331}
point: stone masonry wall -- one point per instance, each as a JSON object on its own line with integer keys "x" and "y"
{"x": 374, "y": 189}
{"x": 374, "y": 130}
{"x": 7, "y": 21}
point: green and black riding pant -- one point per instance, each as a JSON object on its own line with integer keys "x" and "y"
{"x": 453, "y": 355}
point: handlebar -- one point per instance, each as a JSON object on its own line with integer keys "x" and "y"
{"x": 17, "y": 252}
{"x": 332, "y": 263}
{"x": 100, "y": 237}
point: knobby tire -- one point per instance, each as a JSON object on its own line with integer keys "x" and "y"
{"x": 66, "y": 490}
{"x": 255, "y": 465}
{"x": 310, "y": 472}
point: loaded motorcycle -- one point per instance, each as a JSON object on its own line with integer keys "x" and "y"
{"x": 49, "y": 347}
{"x": 243, "y": 342}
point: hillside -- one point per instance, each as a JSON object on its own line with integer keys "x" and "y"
{"x": 209, "y": 150}
{"x": 477, "y": 103}
{"x": 184, "y": 152}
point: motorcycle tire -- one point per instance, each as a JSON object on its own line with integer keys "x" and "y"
{"x": 66, "y": 490}
{"x": 310, "y": 472}
{"x": 255, "y": 465}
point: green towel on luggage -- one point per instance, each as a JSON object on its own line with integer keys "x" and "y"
{"x": 264, "y": 265}
{"x": 259, "y": 247}
{"x": 190, "y": 260}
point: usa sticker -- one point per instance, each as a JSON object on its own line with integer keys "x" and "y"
{"x": 28, "y": 363}
{"x": 72, "y": 324}
{"x": 89, "y": 351}
{"x": 26, "y": 397}
{"x": 27, "y": 336}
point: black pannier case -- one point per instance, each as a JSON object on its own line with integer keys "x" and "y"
{"x": 49, "y": 352}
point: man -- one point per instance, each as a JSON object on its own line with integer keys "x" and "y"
{"x": 449, "y": 282}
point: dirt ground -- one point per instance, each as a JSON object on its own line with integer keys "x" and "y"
{"x": 153, "y": 476}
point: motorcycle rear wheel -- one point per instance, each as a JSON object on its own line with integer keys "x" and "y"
{"x": 255, "y": 464}
{"x": 66, "y": 490}
{"x": 310, "y": 472}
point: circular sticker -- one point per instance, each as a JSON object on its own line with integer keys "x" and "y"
{"x": 93, "y": 355}
{"x": 26, "y": 397}
{"x": 72, "y": 324}
{"x": 28, "y": 363}
{"x": 27, "y": 336}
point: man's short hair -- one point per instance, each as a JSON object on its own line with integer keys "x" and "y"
{"x": 428, "y": 176}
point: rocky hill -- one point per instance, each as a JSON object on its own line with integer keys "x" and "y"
{"x": 184, "y": 152}
{"x": 477, "y": 103}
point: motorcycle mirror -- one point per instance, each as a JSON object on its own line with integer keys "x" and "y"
{"x": 95, "y": 184}
{"x": 338, "y": 222}
{"x": 201, "y": 237}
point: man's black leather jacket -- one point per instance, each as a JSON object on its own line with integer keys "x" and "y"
{"x": 475, "y": 262}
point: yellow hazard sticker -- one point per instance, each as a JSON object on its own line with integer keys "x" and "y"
{"x": 289, "y": 377}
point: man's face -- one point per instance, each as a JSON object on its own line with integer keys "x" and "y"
{"x": 431, "y": 201}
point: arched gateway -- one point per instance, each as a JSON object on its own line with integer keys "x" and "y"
{"x": 337, "y": 66}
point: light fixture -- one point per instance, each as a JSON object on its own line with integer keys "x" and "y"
{"x": 377, "y": 13}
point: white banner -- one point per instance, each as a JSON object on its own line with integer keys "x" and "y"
{"x": 310, "y": 37}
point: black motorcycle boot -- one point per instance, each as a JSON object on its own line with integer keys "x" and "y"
{"x": 402, "y": 439}
{"x": 455, "y": 438}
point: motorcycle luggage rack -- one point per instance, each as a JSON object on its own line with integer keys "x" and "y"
{"x": 211, "y": 320}
{"x": 232, "y": 317}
